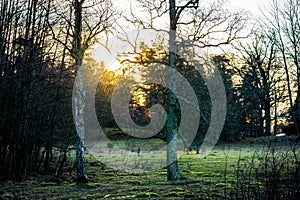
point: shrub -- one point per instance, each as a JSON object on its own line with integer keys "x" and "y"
{"x": 270, "y": 173}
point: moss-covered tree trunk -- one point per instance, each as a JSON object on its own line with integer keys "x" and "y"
{"x": 172, "y": 125}
{"x": 173, "y": 170}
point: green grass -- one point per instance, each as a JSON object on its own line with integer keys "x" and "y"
{"x": 205, "y": 176}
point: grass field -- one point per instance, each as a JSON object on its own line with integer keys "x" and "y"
{"x": 214, "y": 176}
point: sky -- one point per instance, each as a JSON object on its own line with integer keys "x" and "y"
{"x": 249, "y": 5}
{"x": 252, "y": 6}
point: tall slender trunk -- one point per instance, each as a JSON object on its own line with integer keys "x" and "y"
{"x": 282, "y": 48}
{"x": 294, "y": 39}
{"x": 79, "y": 93}
{"x": 275, "y": 112}
{"x": 267, "y": 105}
{"x": 79, "y": 106}
{"x": 294, "y": 116}
{"x": 297, "y": 106}
{"x": 173, "y": 170}
{"x": 268, "y": 118}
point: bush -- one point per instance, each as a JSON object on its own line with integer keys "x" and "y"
{"x": 271, "y": 173}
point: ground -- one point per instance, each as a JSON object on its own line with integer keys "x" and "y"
{"x": 207, "y": 177}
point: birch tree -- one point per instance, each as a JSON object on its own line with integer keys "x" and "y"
{"x": 86, "y": 21}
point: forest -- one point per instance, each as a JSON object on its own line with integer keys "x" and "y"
{"x": 149, "y": 99}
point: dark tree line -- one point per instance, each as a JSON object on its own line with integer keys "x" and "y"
{"x": 42, "y": 45}
{"x": 36, "y": 86}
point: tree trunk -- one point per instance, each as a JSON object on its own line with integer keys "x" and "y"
{"x": 79, "y": 93}
{"x": 173, "y": 170}
{"x": 268, "y": 119}
{"x": 275, "y": 113}
{"x": 80, "y": 165}
{"x": 47, "y": 159}
{"x": 79, "y": 106}
{"x": 267, "y": 105}
{"x": 290, "y": 96}
{"x": 172, "y": 125}
{"x": 297, "y": 118}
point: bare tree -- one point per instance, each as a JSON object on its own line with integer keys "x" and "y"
{"x": 283, "y": 21}
{"x": 171, "y": 126}
{"x": 261, "y": 72}
{"x": 213, "y": 25}
{"x": 195, "y": 21}
{"x": 25, "y": 92}
{"x": 86, "y": 20}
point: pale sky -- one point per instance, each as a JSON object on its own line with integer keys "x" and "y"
{"x": 250, "y": 5}
{"x": 253, "y": 6}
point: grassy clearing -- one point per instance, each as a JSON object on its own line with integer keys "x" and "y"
{"x": 211, "y": 177}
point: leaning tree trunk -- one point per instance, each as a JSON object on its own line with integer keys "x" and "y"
{"x": 290, "y": 96}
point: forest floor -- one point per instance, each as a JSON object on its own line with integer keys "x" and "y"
{"x": 206, "y": 177}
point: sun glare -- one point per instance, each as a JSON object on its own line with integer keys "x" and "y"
{"x": 125, "y": 70}
{"x": 116, "y": 67}
{"x": 141, "y": 100}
